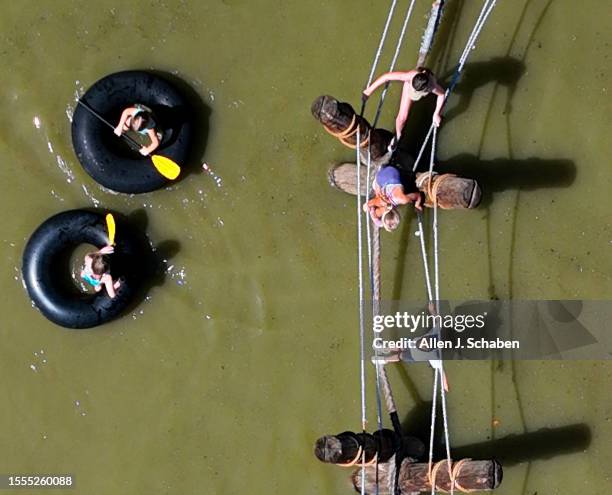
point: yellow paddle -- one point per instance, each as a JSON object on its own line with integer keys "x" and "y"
{"x": 164, "y": 165}
{"x": 110, "y": 226}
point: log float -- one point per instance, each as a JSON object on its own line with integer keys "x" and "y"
{"x": 349, "y": 448}
{"x": 452, "y": 192}
{"x": 414, "y": 477}
{"x": 341, "y": 121}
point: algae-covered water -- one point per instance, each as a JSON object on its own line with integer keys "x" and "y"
{"x": 247, "y": 350}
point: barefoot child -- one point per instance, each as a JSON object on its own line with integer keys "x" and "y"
{"x": 417, "y": 84}
{"x": 96, "y": 271}
{"x": 389, "y": 194}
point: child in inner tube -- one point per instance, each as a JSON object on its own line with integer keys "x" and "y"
{"x": 96, "y": 271}
{"x": 139, "y": 118}
{"x": 388, "y": 195}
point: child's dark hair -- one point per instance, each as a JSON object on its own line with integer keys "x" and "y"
{"x": 99, "y": 263}
{"x": 143, "y": 122}
{"x": 420, "y": 81}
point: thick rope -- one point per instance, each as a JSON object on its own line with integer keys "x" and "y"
{"x": 433, "y": 23}
{"x": 453, "y": 474}
{"x": 373, "y": 238}
{"x": 446, "y": 432}
{"x": 434, "y": 398}
{"x": 360, "y": 455}
{"x": 424, "y": 256}
{"x": 361, "y": 295}
{"x": 359, "y": 250}
{"x": 350, "y": 131}
{"x": 361, "y": 314}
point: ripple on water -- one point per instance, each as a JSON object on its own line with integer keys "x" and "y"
{"x": 179, "y": 275}
{"x": 212, "y": 174}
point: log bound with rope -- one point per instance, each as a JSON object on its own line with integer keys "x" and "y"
{"x": 341, "y": 121}
{"x": 350, "y": 449}
{"x": 414, "y": 477}
{"x": 451, "y": 192}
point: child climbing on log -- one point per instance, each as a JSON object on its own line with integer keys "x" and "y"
{"x": 96, "y": 271}
{"x": 139, "y": 118}
{"x": 389, "y": 194}
{"x": 417, "y": 83}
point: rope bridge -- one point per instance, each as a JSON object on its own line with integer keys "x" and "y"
{"x": 373, "y": 247}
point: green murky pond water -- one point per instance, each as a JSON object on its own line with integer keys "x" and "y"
{"x": 221, "y": 380}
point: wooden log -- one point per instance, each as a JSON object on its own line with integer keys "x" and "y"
{"x": 349, "y": 448}
{"x": 344, "y": 448}
{"x": 414, "y": 476}
{"x": 344, "y": 178}
{"x": 340, "y": 120}
{"x": 453, "y": 192}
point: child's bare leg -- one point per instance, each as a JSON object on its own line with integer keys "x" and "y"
{"x": 116, "y": 284}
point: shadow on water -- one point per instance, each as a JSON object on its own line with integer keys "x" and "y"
{"x": 446, "y": 34}
{"x": 496, "y": 175}
{"x": 197, "y": 111}
{"x": 510, "y": 450}
{"x": 155, "y": 257}
{"x": 502, "y": 174}
{"x": 505, "y": 71}
{"x": 502, "y": 71}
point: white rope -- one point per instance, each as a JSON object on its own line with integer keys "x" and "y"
{"x": 380, "y": 372}
{"x": 398, "y": 47}
{"x": 360, "y": 256}
{"x": 434, "y": 398}
{"x": 424, "y": 256}
{"x": 439, "y": 373}
{"x": 439, "y": 369}
{"x": 449, "y": 461}
{"x": 435, "y": 222}
{"x": 480, "y": 22}
{"x": 486, "y": 10}
{"x": 381, "y": 42}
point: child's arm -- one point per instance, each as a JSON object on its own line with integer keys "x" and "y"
{"x": 439, "y": 92}
{"x": 403, "y": 199}
{"x": 145, "y": 150}
{"x": 124, "y": 116}
{"x": 107, "y": 250}
{"x": 375, "y": 202}
{"x": 388, "y": 77}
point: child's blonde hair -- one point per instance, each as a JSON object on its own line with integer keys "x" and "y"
{"x": 391, "y": 219}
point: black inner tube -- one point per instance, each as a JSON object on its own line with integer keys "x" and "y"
{"x": 109, "y": 159}
{"x": 46, "y": 269}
